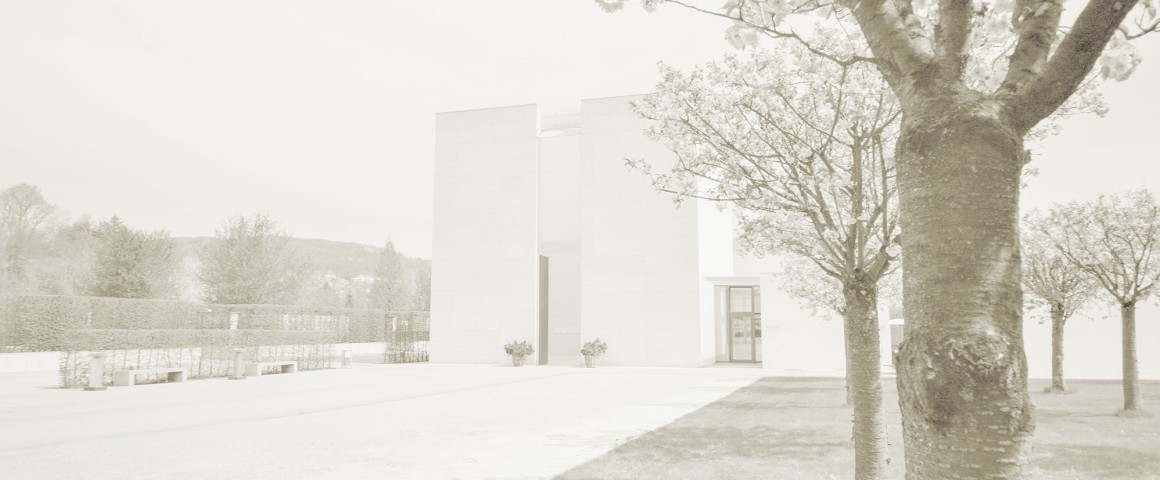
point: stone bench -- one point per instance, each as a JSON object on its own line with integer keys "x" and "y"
{"x": 128, "y": 378}
{"x": 254, "y": 369}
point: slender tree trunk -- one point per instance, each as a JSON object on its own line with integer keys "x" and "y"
{"x": 1057, "y": 349}
{"x": 863, "y": 380}
{"x": 849, "y": 358}
{"x": 962, "y": 371}
{"x": 1131, "y": 374}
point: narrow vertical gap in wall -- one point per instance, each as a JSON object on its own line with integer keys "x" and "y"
{"x": 543, "y": 337}
{"x": 721, "y": 314}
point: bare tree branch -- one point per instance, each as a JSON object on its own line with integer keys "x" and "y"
{"x": 1036, "y": 23}
{"x": 895, "y": 38}
{"x": 951, "y": 37}
{"x": 1070, "y": 63}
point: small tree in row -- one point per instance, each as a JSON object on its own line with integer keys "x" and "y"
{"x": 1055, "y": 283}
{"x": 1113, "y": 240}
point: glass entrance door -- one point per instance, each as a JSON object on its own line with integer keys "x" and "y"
{"x": 741, "y": 348}
{"x": 744, "y": 325}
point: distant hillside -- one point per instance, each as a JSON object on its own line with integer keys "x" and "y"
{"x": 344, "y": 259}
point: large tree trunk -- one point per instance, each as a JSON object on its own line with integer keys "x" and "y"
{"x": 863, "y": 380}
{"x": 1057, "y": 349}
{"x": 1131, "y": 374}
{"x": 962, "y": 372}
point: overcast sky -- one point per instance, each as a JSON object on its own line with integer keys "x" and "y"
{"x": 177, "y": 114}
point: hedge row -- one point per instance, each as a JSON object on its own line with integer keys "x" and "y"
{"x": 406, "y": 337}
{"x": 144, "y": 339}
{"x": 202, "y": 362}
{"x": 206, "y": 353}
{"x": 39, "y": 322}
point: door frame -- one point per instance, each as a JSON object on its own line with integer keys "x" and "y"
{"x": 751, "y": 314}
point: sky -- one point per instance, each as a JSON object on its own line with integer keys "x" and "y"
{"x": 175, "y": 115}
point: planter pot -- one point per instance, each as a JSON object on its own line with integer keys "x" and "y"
{"x": 517, "y": 361}
{"x": 590, "y": 361}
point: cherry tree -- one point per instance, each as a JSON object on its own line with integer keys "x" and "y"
{"x": 1053, "y": 282}
{"x": 1113, "y": 239}
{"x": 798, "y": 146}
{"x": 973, "y": 79}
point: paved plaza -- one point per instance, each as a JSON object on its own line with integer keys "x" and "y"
{"x": 366, "y": 421}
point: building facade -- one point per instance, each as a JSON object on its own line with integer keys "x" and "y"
{"x": 543, "y": 234}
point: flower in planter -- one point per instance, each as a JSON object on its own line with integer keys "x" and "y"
{"x": 594, "y": 348}
{"x": 519, "y": 349}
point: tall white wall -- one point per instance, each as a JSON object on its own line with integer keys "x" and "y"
{"x": 795, "y": 340}
{"x": 1092, "y": 343}
{"x": 484, "y": 287}
{"x": 639, "y": 280}
{"x": 559, "y": 224}
{"x": 798, "y": 341}
{"x": 715, "y": 259}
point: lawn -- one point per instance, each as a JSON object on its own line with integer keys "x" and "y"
{"x": 799, "y": 428}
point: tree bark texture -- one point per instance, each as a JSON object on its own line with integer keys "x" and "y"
{"x": 1131, "y": 374}
{"x": 863, "y": 379}
{"x": 962, "y": 371}
{"x": 1057, "y": 322}
{"x": 849, "y": 359}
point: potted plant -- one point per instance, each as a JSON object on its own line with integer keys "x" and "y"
{"x": 519, "y": 351}
{"x": 591, "y": 350}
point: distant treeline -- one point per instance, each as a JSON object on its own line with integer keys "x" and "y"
{"x": 249, "y": 260}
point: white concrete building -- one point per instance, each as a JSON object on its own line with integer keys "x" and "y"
{"x": 542, "y": 234}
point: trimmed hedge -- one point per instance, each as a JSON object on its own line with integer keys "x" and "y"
{"x": 144, "y": 339}
{"x": 202, "y": 362}
{"x": 161, "y": 333}
{"x": 407, "y": 337}
{"x": 47, "y": 321}
{"x": 206, "y": 353}
{"x": 34, "y": 323}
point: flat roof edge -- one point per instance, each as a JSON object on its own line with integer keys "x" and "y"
{"x": 466, "y": 110}
{"x": 521, "y": 105}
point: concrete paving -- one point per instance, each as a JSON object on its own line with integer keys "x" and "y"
{"x": 368, "y": 421}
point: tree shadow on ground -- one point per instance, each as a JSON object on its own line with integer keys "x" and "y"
{"x": 1060, "y": 461}
{"x": 765, "y": 430}
{"x": 790, "y": 428}
{"x": 678, "y": 443}
{"x": 1052, "y": 414}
